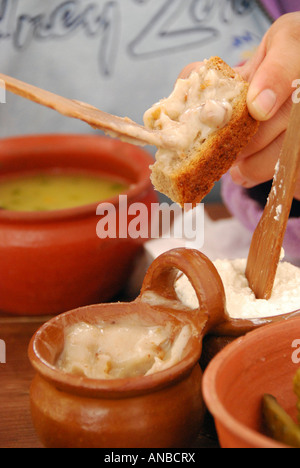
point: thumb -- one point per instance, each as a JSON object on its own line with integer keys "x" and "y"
{"x": 272, "y": 82}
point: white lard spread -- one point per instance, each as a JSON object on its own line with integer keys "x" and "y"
{"x": 198, "y": 106}
{"x": 241, "y": 301}
{"x": 120, "y": 350}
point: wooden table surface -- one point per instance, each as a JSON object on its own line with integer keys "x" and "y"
{"x": 16, "y": 429}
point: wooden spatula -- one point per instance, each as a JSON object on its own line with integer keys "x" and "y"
{"x": 265, "y": 250}
{"x": 123, "y": 128}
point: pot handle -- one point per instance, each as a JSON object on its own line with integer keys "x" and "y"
{"x": 159, "y": 282}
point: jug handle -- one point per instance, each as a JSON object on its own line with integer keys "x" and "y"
{"x": 160, "y": 280}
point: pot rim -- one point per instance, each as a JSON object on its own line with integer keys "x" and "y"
{"x": 210, "y": 393}
{"x": 112, "y": 388}
{"x": 235, "y": 327}
{"x": 142, "y": 185}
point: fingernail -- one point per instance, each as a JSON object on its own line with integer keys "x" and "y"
{"x": 264, "y": 103}
{"x": 237, "y": 176}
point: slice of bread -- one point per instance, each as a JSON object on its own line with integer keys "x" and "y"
{"x": 188, "y": 175}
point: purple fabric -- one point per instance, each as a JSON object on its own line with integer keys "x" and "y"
{"x": 249, "y": 213}
{"x": 276, "y": 8}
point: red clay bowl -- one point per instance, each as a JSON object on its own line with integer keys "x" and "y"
{"x": 263, "y": 361}
{"x": 54, "y": 261}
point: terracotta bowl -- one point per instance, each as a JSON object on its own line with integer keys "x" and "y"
{"x": 238, "y": 377}
{"x": 54, "y": 261}
{"x": 162, "y": 410}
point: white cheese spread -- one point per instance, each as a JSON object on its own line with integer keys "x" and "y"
{"x": 120, "y": 350}
{"x": 241, "y": 301}
{"x": 198, "y": 106}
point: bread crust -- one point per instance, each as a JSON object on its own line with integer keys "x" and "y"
{"x": 205, "y": 164}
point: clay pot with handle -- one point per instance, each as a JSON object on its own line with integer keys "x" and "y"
{"x": 165, "y": 409}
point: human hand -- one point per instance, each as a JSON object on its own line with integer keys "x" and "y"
{"x": 271, "y": 74}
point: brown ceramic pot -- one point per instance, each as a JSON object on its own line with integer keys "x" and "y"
{"x": 53, "y": 261}
{"x": 229, "y": 329}
{"x": 165, "y": 409}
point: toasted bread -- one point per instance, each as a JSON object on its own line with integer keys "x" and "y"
{"x": 188, "y": 175}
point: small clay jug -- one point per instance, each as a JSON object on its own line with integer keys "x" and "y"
{"x": 161, "y": 410}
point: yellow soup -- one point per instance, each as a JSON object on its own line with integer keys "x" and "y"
{"x": 51, "y": 191}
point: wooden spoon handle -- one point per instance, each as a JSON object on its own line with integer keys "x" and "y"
{"x": 123, "y": 128}
{"x": 265, "y": 250}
